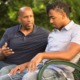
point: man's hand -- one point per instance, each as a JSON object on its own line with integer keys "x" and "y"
{"x": 18, "y": 69}
{"x": 35, "y": 61}
{"x": 6, "y": 51}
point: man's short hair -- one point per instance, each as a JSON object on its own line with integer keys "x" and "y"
{"x": 59, "y": 5}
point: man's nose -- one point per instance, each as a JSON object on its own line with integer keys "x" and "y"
{"x": 51, "y": 21}
{"x": 28, "y": 19}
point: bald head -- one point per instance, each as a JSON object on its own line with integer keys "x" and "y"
{"x": 23, "y": 9}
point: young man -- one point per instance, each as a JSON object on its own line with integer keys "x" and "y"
{"x": 63, "y": 43}
{"x": 21, "y": 43}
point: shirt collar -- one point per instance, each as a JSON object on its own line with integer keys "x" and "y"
{"x": 19, "y": 27}
{"x": 68, "y": 26}
{"x": 34, "y": 29}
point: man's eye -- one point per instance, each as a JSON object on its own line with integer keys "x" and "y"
{"x": 53, "y": 18}
{"x": 25, "y": 17}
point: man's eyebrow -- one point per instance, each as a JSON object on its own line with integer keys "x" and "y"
{"x": 51, "y": 16}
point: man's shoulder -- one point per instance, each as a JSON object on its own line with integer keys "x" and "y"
{"x": 76, "y": 27}
{"x": 12, "y": 29}
{"x": 41, "y": 29}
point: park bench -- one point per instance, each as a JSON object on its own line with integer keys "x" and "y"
{"x": 76, "y": 66}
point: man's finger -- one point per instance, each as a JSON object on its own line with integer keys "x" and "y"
{"x": 33, "y": 66}
{"x": 7, "y": 51}
{"x": 5, "y": 45}
{"x": 13, "y": 71}
{"x": 29, "y": 67}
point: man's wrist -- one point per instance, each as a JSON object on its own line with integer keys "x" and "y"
{"x": 42, "y": 55}
{"x": 0, "y": 51}
{"x": 1, "y": 54}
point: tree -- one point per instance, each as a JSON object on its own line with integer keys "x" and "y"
{"x": 9, "y": 8}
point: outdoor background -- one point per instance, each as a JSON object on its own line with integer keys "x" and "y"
{"x": 9, "y": 8}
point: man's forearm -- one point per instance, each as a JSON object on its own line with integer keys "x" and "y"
{"x": 26, "y": 64}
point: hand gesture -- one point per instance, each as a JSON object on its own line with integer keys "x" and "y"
{"x": 6, "y": 51}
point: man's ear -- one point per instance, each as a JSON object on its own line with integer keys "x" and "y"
{"x": 64, "y": 14}
{"x": 19, "y": 20}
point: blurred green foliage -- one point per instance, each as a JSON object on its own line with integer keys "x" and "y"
{"x": 9, "y": 8}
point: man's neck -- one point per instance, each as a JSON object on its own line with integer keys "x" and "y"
{"x": 66, "y": 21}
{"x": 26, "y": 31}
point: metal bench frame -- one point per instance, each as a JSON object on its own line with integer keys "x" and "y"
{"x": 39, "y": 77}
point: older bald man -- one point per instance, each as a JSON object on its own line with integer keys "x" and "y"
{"x": 25, "y": 40}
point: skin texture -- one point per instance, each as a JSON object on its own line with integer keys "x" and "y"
{"x": 6, "y": 51}
{"x": 26, "y": 18}
{"x": 58, "y": 19}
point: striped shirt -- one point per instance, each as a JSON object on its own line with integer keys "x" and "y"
{"x": 25, "y": 47}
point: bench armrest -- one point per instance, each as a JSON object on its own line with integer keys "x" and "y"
{"x": 63, "y": 62}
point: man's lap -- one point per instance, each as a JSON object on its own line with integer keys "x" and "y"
{"x": 17, "y": 76}
{"x": 6, "y": 69}
{"x": 3, "y": 64}
{"x": 49, "y": 74}
{"x": 55, "y": 73}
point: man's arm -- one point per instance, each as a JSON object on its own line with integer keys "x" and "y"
{"x": 72, "y": 50}
{"x": 5, "y": 51}
{"x": 1, "y": 55}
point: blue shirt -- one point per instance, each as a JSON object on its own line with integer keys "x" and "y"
{"x": 59, "y": 40}
{"x": 25, "y": 47}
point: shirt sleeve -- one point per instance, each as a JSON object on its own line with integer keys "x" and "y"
{"x": 76, "y": 36}
{"x": 4, "y": 38}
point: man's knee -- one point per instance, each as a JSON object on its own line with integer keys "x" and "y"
{"x": 5, "y": 77}
{"x": 30, "y": 76}
{"x": 6, "y": 70}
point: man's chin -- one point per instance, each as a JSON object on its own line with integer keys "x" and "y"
{"x": 28, "y": 28}
{"x": 54, "y": 26}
